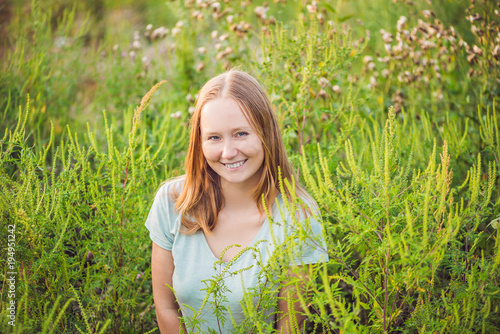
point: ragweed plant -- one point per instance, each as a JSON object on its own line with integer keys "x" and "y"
{"x": 393, "y": 229}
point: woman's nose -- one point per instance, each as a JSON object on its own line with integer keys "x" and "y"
{"x": 229, "y": 150}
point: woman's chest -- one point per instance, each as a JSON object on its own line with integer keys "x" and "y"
{"x": 232, "y": 234}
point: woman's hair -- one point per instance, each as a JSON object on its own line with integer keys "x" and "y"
{"x": 201, "y": 197}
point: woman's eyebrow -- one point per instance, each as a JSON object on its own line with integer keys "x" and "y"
{"x": 236, "y": 129}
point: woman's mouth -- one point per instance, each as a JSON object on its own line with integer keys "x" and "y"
{"x": 235, "y": 165}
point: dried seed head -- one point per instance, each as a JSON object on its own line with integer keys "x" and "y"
{"x": 223, "y": 37}
{"x": 261, "y": 11}
{"x": 386, "y": 59}
{"x": 477, "y": 50}
{"x": 191, "y": 110}
{"x": 402, "y": 22}
{"x": 428, "y": 13}
{"x": 312, "y": 8}
{"x": 324, "y": 82}
{"x": 136, "y": 44}
{"x": 337, "y": 89}
{"x": 202, "y": 50}
{"x": 216, "y": 7}
{"x": 200, "y": 66}
{"x": 386, "y": 36}
{"x": 176, "y": 115}
{"x": 176, "y": 31}
{"x": 159, "y": 33}
{"x": 89, "y": 256}
{"x": 215, "y": 34}
{"x": 475, "y": 17}
{"x": 496, "y": 52}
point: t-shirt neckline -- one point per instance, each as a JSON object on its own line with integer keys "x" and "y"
{"x": 264, "y": 226}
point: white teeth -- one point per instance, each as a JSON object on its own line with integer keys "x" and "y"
{"x": 235, "y": 165}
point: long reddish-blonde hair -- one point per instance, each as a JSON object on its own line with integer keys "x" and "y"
{"x": 201, "y": 198}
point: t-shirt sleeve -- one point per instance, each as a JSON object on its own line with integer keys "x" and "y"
{"x": 161, "y": 221}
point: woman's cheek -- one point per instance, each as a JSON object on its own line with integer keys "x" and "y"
{"x": 210, "y": 151}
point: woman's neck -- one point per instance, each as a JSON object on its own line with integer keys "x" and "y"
{"x": 237, "y": 196}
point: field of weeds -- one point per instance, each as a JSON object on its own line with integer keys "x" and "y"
{"x": 388, "y": 109}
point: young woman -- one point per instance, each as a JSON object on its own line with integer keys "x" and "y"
{"x": 233, "y": 161}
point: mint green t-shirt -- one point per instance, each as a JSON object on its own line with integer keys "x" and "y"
{"x": 198, "y": 274}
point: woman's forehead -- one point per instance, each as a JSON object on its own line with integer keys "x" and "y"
{"x": 223, "y": 113}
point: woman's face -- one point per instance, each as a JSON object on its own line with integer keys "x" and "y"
{"x": 230, "y": 145}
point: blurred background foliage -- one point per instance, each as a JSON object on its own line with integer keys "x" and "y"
{"x": 81, "y": 157}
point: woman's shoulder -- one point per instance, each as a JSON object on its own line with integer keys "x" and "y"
{"x": 171, "y": 187}
{"x": 303, "y": 202}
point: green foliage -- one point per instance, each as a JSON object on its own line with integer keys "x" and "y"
{"x": 391, "y": 122}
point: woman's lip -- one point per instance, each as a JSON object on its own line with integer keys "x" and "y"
{"x": 232, "y": 163}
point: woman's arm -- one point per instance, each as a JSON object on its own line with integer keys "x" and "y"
{"x": 286, "y": 323}
{"x": 167, "y": 309}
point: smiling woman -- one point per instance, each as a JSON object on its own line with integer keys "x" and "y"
{"x": 204, "y": 223}
{"x": 230, "y": 145}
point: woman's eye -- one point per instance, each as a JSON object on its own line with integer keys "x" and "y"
{"x": 213, "y": 138}
{"x": 241, "y": 134}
